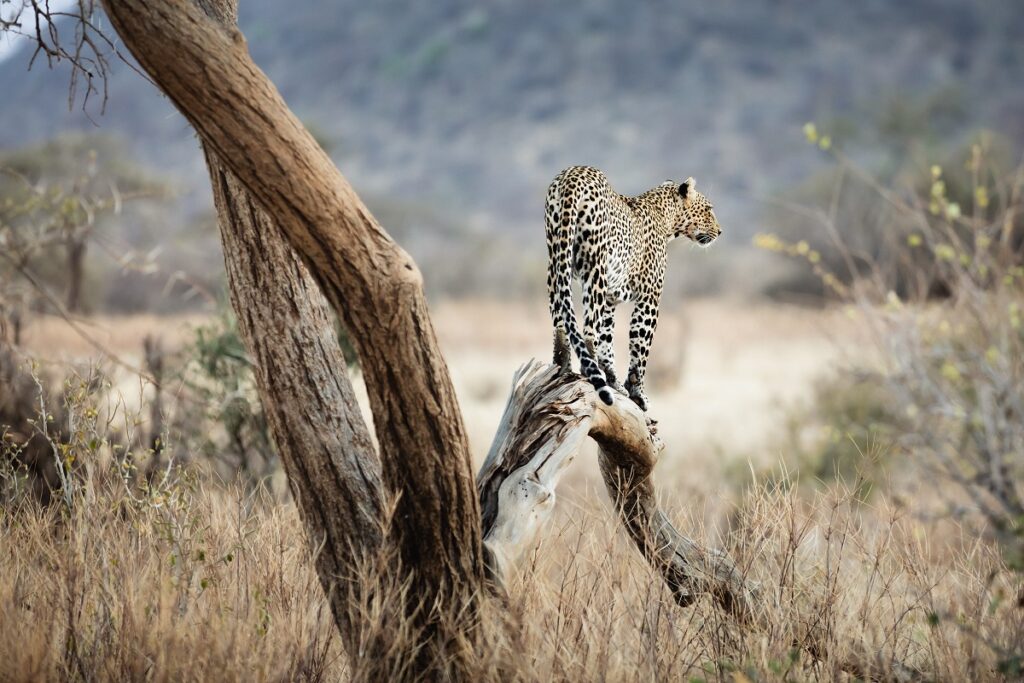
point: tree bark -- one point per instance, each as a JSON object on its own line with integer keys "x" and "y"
{"x": 324, "y": 444}
{"x": 372, "y": 284}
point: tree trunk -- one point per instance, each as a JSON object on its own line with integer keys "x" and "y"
{"x": 372, "y": 284}
{"x": 76, "y": 247}
{"x": 328, "y": 455}
{"x": 290, "y": 222}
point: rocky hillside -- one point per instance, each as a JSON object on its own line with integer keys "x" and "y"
{"x": 467, "y": 109}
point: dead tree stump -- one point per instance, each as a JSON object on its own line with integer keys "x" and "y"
{"x": 548, "y": 415}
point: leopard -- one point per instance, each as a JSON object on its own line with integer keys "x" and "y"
{"x": 617, "y": 247}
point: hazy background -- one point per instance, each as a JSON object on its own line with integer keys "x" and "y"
{"x": 451, "y": 118}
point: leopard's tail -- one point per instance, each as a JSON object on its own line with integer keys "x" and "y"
{"x": 561, "y": 216}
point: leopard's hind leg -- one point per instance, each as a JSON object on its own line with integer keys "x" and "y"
{"x": 563, "y": 352}
{"x": 605, "y": 334}
{"x": 593, "y": 335}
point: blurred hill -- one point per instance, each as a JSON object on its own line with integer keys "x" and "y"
{"x": 460, "y": 112}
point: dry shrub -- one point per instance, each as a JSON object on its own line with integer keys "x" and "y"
{"x": 219, "y": 416}
{"x": 855, "y": 227}
{"x": 948, "y": 332}
{"x": 41, "y": 422}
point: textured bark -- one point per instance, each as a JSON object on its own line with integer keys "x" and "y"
{"x": 370, "y": 281}
{"x": 546, "y": 418}
{"x": 540, "y": 433}
{"x": 324, "y": 444}
{"x": 294, "y": 231}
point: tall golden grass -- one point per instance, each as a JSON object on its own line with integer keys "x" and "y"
{"x": 195, "y": 580}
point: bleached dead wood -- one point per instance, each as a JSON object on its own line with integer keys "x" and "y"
{"x": 544, "y": 424}
{"x": 547, "y": 417}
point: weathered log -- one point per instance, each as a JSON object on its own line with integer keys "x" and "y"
{"x": 545, "y": 421}
{"x": 544, "y": 424}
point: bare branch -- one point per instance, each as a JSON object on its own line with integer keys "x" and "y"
{"x": 88, "y": 50}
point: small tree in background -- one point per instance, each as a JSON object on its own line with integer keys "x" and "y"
{"x": 55, "y": 199}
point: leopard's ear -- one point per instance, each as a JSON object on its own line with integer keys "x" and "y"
{"x": 686, "y": 189}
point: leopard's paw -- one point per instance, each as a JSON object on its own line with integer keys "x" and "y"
{"x": 639, "y": 397}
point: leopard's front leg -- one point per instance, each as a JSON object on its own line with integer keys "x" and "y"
{"x": 642, "y": 324}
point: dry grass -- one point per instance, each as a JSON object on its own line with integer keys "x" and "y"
{"x": 196, "y": 580}
{"x": 200, "y": 585}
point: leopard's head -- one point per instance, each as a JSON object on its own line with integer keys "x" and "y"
{"x": 697, "y": 217}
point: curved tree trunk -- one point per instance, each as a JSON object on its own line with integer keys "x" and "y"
{"x": 292, "y": 227}
{"x": 372, "y": 284}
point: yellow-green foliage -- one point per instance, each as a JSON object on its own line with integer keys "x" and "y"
{"x": 950, "y": 349}
{"x": 908, "y": 228}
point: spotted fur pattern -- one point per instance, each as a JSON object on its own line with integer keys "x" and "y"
{"x": 616, "y": 246}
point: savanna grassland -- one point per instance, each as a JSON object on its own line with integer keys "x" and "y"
{"x": 838, "y": 382}
{"x": 198, "y": 569}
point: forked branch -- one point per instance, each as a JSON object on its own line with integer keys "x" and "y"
{"x": 547, "y": 417}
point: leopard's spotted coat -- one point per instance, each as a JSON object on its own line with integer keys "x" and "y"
{"x": 616, "y": 246}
